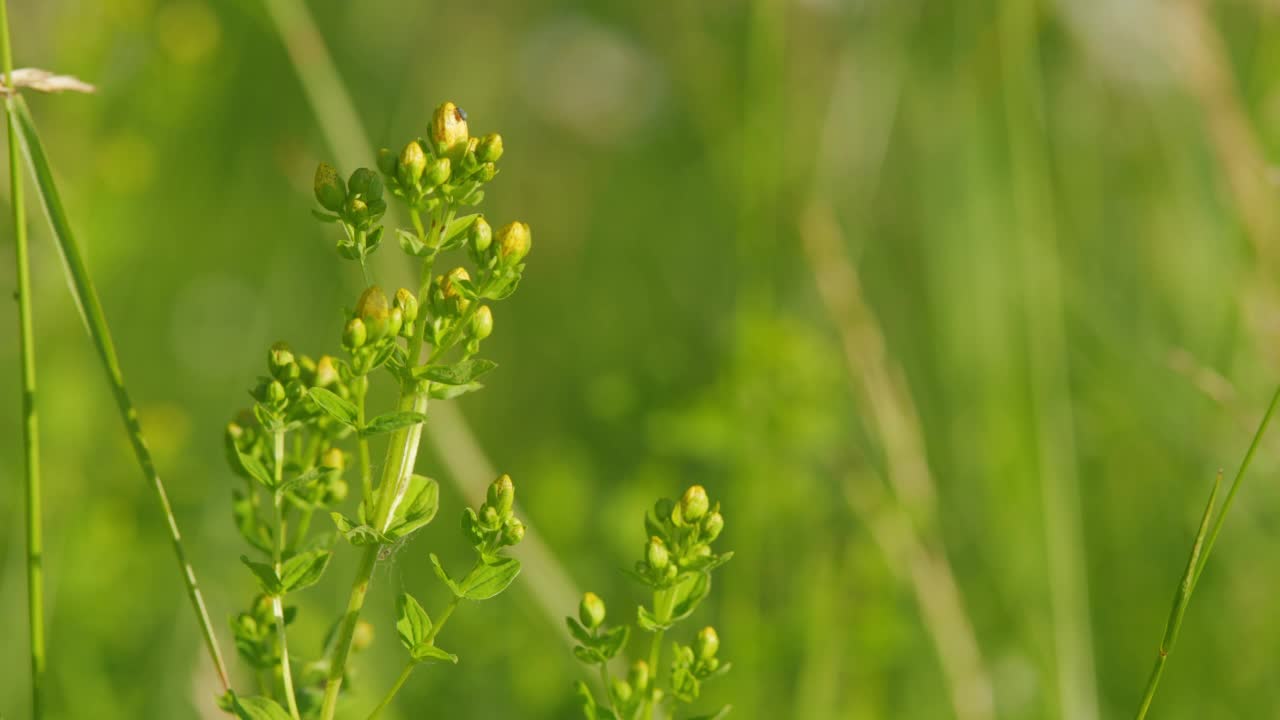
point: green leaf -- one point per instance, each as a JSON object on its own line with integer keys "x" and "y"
{"x": 579, "y": 633}
{"x": 489, "y": 579}
{"x": 458, "y": 226}
{"x": 417, "y": 508}
{"x": 357, "y": 534}
{"x": 344, "y": 411}
{"x": 247, "y": 521}
{"x": 717, "y": 715}
{"x": 253, "y": 708}
{"x": 449, "y": 392}
{"x": 688, "y": 598}
{"x": 304, "y": 570}
{"x": 648, "y": 622}
{"x": 391, "y": 422}
{"x": 256, "y": 470}
{"x": 410, "y": 243}
{"x": 588, "y": 701}
{"x": 266, "y": 574}
{"x": 414, "y": 624}
{"x": 444, "y": 576}
{"x": 425, "y": 652}
{"x": 588, "y": 656}
{"x": 711, "y": 562}
{"x": 460, "y": 373}
{"x": 611, "y": 642}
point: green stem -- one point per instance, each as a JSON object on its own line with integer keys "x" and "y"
{"x": 1198, "y": 559}
{"x": 442, "y": 619}
{"x": 30, "y": 428}
{"x": 86, "y": 297}
{"x": 663, "y": 600}
{"x": 277, "y": 602}
{"x": 402, "y": 453}
{"x": 404, "y": 675}
{"x": 362, "y": 448}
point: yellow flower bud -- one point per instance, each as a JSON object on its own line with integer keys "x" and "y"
{"x": 514, "y": 241}
{"x": 591, "y": 611}
{"x": 449, "y": 130}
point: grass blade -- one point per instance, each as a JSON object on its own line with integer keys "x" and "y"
{"x": 86, "y": 297}
{"x": 30, "y": 427}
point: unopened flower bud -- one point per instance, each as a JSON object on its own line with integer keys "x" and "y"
{"x": 502, "y": 494}
{"x": 482, "y": 323}
{"x": 365, "y": 182}
{"x": 656, "y": 553}
{"x": 408, "y": 304}
{"x": 337, "y": 491}
{"x": 372, "y": 309}
{"x": 449, "y": 129}
{"x": 281, "y": 362}
{"x": 357, "y": 208}
{"x": 363, "y": 636}
{"x": 386, "y": 161}
{"x": 333, "y": 459}
{"x": 480, "y": 235}
{"x": 326, "y": 372}
{"x": 694, "y": 504}
{"x": 276, "y": 393}
{"x": 329, "y": 188}
{"x": 449, "y": 286}
{"x": 413, "y": 162}
{"x": 514, "y": 240}
{"x": 712, "y": 525}
{"x": 514, "y": 532}
{"x": 638, "y": 676}
{"x": 437, "y": 172}
{"x": 591, "y": 611}
{"x": 490, "y": 148}
{"x": 355, "y": 334}
{"x": 395, "y": 320}
{"x": 621, "y": 690}
{"x": 489, "y": 516}
{"x": 487, "y": 172}
{"x": 706, "y": 644}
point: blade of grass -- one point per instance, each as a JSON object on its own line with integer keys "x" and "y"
{"x": 30, "y": 427}
{"x": 86, "y": 297}
{"x": 1200, "y": 557}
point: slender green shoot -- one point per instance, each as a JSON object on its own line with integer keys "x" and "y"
{"x": 86, "y": 296}
{"x": 1201, "y": 548}
{"x": 30, "y": 427}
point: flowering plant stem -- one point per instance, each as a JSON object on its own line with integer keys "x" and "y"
{"x": 277, "y": 601}
{"x": 409, "y": 666}
{"x": 30, "y": 428}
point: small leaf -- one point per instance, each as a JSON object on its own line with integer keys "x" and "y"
{"x": 410, "y": 243}
{"x": 458, "y": 226}
{"x": 425, "y": 652}
{"x": 579, "y": 633}
{"x": 717, "y": 715}
{"x": 357, "y": 534}
{"x": 588, "y": 701}
{"x": 460, "y": 373}
{"x": 444, "y": 576}
{"x": 588, "y": 656}
{"x": 489, "y": 579}
{"x": 687, "y": 598}
{"x": 391, "y": 422}
{"x": 256, "y": 470}
{"x": 344, "y": 411}
{"x": 449, "y": 392}
{"x": 648, "y": 622}
{"x": 611, "y": 642}
{"x": 304, "y": 570}
{"x": 253, "y": 708}
{"x": 414, "y": 624}
{"x": 417, "y": 508}
{"x": 266, "y": 574}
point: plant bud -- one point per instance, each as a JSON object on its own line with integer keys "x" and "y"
{"x": 656, "y": 553}
{"x": 366, "y": 183}
{"x": 712, "y": 525}
{"x": 355, "y": 334}
{"x": 489, "y": 517}
{"x": 413, "y": 162}
{"x": 621, "y": 691}
{"x": 387, "y": 162}
{"x": 490, "y": 148}
{"x": 235, "y": 433}
{"x": 449, "y": 286}
{"x": 486, "y": 172}
{"x": 514, "y": 240}
{"x": 694, "y": 504}
{"x": 333, "y": 459}
{"x": 502, "y": 494}
{"x": 437, "y": 172}
{"x": 329, "y": 189}
{"x": 395, "y": 320}
{"x": 357, "y": 209}
{"x": 449, "y": 129}
{"x": 372, "y": 309}
{"x": 276, "y": 393}
{"x": 639, "y": 675}
{"x": 363, "y": 636}
{"x": 706, "y": 644}
{"x": 337, "y": 491}
{"x": 482, "y": 323}
{"x": 280, "y": 362}
{"x": 514, "y": 532}
{"x": 480, "y": 235}
{"x": 408, "y": 304}
{"x": 591, "y": 611}
{"x": 326, "y": 372}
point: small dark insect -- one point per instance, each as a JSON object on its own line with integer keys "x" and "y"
{"x": 462, "y": 114}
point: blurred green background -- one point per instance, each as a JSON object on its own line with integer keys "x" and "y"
{"x": 956, "y": 306}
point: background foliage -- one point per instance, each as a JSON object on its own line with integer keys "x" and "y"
{"x": 1061, "y": 216}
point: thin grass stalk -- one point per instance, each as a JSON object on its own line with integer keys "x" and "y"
{"x": 30, "y": 426}
{"x": 86, "y": 296}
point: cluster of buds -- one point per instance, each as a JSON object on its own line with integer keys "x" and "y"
{"x": 680, "y": 537}
{"x": 448, "y": 165}
{"x": 357, "y": 205}
{"x": 598, "y": 644}
{"x": 693, "y": 665}
{"x": 255, "y": 633}
{"x": 375, "y": 323}
{"x": 494, "y": 526}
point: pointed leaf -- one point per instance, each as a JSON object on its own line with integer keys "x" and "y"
{"x": 419, "y": 506}
{"x": 444, "y": 576}
{"x": 304, "y": 570}
{"x": 344, "y": 411}
{"x": 266, "y": 574}
{"x": 414, "y": 624}
{"x": 460, "y": 373}
{"x": 449, "y": 392}
{"x": 489, "y": 578}
{"x": 392, "y": 422}
{"x": 425, "y": 652}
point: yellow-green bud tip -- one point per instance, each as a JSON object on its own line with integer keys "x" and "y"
{"x": 712, "y": 525}
{"x": 482, "y": 323}
{"x": 694, "y": 504}
{"x": 355, "y": 334}
{"x": 330, "y": 191}
{"x": 333, "y": 459}
{"x": 707, "y": 643}
{"x": 502, "y": 494}
{"x": 591, "y": 611}
{"x": 362, "y": 638}
{"x": 481, "y": 235}
{"x": 449, "y": 129}
{"x": 656, "y": 553}
{"x": 413, "y": 162}
{"x": 408, "y": 304}
{"x": 372, "y": 309}
{"x": 514, "y": 241}
{"x": 490, "y": 148}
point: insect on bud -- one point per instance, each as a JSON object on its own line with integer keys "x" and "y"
{"x": 333, "y": 459}
{"x": 694, "y": 504}
{"x": 638, "y": 676}
{"x": 372, "y": 309}
{"x": 656, "y": 554}
{"x": 514, "y": 240}
{"x": 408, "y": 304}
{"x": 480, "y": 236}
{"x": 706, "y": 644}
{"x": 326, "y": 372}
{"x": 437, "y": 172}
{"x": 387, "y": 161}
{"x": 502, "y": 494}
{"x": 329, "y": 188}
{"x": 362, "y": 638}
{"x": 490, "y": 148}
{"x": 281, "y": 362}
{"x": 449, "y": 129}
{"x": 355, "y": 334}
{"x": 482, "y": 323}
{"x": 413, "y": 162}
{"x": 712, "y": 526}
{"x": 591, "y": 611}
